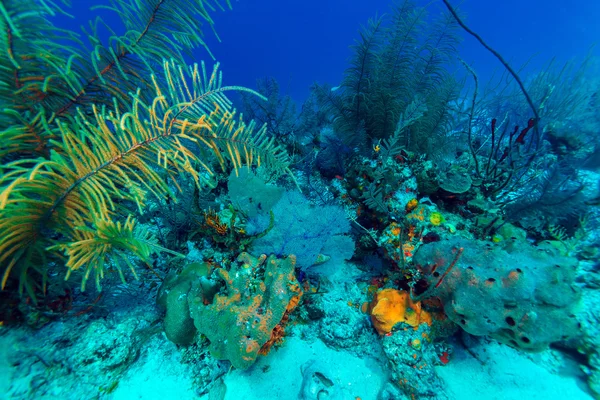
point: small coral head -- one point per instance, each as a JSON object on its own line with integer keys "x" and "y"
{"x": 411, "y": 205}
{"x": 390, "y": 307}
{"x": 436, "y": 218}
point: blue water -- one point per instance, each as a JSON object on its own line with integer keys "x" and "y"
{"x": 301, "y": 42}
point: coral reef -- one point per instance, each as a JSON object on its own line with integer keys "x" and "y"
{"x": 238, "y": 310}
{"x": 172, "y": 296}
{"x": 343, "y": 325}
{"x": 406, "y": 189}
{"x": 412, "y": 356}
{"x": 86, "y": 356}
{"x": 525, "y": 298}
{"x": 589, "y": 342}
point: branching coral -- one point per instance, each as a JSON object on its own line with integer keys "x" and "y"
{"x": 394, "y": 65}
{"x": 87, "y": 137}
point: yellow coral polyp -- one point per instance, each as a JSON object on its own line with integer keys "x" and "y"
{"x": 418, "y": 214}
{"x": 436, "y": 218}
{"x": 390, "y": 307}
{"x": 411, "y": 205}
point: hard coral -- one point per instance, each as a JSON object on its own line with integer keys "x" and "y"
{"x": 401, "y": 242}
{"x": 173, "y": 298}
{"x": 390, "y": 307}
{"x": 411, "y": 205}
{"x": 243, "y": 317}
{"x": 436, "y": 218}
{"x": 526, "y": 297}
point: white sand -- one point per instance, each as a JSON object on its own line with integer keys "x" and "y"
{"x": 505, "y": 374}
{"x": 158, "y": 374}
{"x": 357, "y": 377}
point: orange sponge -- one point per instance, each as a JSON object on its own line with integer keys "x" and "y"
{"x": 390, "y": 307}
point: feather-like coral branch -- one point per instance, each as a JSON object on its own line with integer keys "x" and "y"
{"x": 100, "y": 157}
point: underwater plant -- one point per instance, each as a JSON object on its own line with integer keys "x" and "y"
{"x": 278, "y": 113}
{"x": 396, "y": 62}
{"x": 90, "y": 134}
